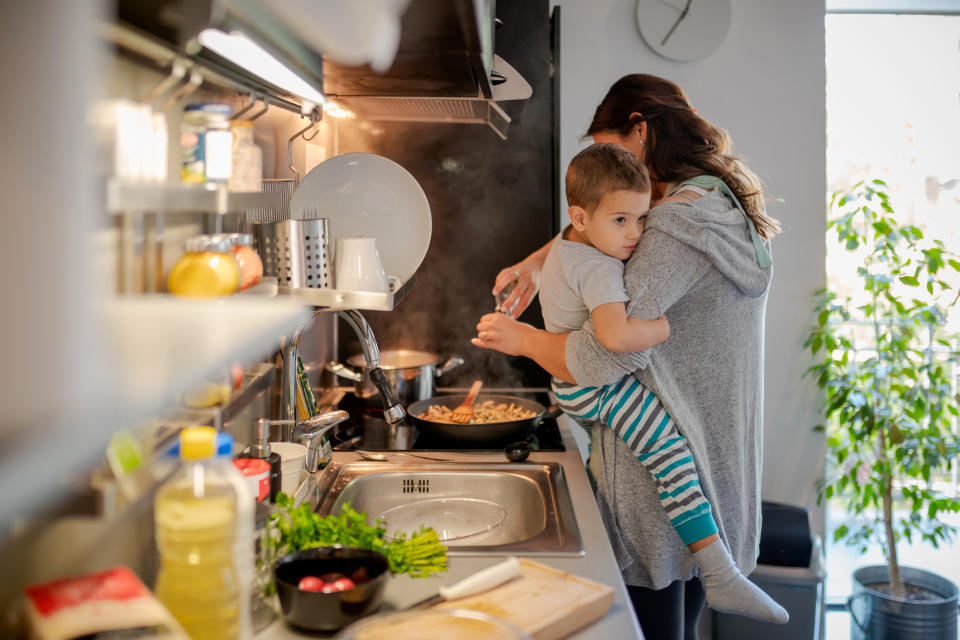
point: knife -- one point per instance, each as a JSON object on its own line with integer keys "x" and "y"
{"x": 477, "y": 583}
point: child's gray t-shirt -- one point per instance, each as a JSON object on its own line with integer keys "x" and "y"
{"x": 576, "y": 279}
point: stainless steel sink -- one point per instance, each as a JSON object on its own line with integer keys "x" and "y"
{"x": 477, "y": 508}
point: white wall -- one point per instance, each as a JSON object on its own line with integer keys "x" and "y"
{"x": 765, "y": 85}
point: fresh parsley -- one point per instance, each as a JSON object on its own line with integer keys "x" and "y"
{"x": 420, "y": 554}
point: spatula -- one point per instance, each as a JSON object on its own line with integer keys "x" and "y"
{"x": 464, "y": 413}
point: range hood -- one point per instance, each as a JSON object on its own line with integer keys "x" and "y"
{"x": 439, "y": 66}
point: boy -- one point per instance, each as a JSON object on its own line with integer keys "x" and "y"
{"x": 608, "y": 191}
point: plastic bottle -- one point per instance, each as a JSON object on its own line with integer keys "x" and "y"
{"x": 246, "y": 170}
{"x": 204, "y": 527}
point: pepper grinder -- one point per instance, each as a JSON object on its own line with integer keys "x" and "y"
{"x": 261, "y": 449}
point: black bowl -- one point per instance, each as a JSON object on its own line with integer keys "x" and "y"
{"x": 319, "y": 611}
{"x": 517, "y": 451}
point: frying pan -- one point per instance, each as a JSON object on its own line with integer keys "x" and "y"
{"x": 493, "y": 433}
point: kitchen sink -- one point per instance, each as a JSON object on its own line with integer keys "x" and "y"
{"x": 476, "y": 508}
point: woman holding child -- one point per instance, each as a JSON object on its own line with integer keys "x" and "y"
{"x": 703, "y": 262}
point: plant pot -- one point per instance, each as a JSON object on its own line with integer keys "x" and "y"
{"x": 878, "y": 616}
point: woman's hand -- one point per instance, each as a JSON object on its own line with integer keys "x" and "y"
{"x": 527, "y": 275}
{"x": 501, "y": 333}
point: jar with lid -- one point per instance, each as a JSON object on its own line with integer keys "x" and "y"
{"x": 246, "y": 170}
{"x": 207, "y": 269}
{"x": 205, "y": 144}
{"x": 251, "y": 267}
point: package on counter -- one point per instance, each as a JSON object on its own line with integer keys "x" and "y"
{"x": 106, "y": 603}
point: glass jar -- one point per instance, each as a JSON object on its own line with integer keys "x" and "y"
{"x": 251, "y": 267}
{"x": 207, "y": 269}
{"x": 205, "y": 144}
{"x": 246, "y": 170}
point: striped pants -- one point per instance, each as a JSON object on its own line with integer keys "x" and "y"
{"x": 637, "y": 417}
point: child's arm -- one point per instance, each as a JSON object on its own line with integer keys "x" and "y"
{"x": 621, "y": 334}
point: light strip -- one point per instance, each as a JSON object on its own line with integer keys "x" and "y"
{"x": 244, "y": 52}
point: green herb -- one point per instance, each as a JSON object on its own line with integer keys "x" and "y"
{"x": 292, "y": 529}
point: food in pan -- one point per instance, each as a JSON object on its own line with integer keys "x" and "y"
{"x": 484, "y": 413}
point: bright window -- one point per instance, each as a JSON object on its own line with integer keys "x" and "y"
{"x": 893, "y": 112}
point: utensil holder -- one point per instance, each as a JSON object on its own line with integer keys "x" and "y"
{"x": 296, "y": 252}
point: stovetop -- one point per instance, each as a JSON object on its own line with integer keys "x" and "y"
{"x": 366, "y": 429}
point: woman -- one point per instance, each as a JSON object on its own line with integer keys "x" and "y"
{"x": 703, "y": 260}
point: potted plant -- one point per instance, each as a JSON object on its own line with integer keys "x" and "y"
{"x": 887, "y": 364}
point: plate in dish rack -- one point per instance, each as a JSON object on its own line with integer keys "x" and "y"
{"x": 363, "y": 194}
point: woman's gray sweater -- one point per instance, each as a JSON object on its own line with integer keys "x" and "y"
{"x": 695, "y": 263}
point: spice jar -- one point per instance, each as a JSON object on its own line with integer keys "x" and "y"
{"x": 246, "y": 164}
{"x": 207, "y": 269}
{"x": 205, "y": 144}
{"x": 251, "y": 267}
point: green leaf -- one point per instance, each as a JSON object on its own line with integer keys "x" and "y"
{"x": 909, "y": 280}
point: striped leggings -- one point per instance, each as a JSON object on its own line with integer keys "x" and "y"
{"x": 637, "y": 417}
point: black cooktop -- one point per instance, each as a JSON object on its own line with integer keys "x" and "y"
{"x": 366, "y": 429}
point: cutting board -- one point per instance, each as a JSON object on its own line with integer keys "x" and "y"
{"x": 545, "y": 602}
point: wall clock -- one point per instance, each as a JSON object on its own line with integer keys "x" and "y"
{"x": 683, "y": 30}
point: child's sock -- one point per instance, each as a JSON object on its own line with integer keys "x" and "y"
{"x": 729, "y": 591}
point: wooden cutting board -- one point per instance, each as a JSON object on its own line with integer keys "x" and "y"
{"x": 545, "y": 602}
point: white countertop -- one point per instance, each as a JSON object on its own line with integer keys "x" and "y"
{"x": 597, "y": 564}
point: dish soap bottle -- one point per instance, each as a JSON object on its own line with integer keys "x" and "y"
{"x": 204, "y": 522}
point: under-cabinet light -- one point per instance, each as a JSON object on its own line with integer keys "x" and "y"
{"x": 244, "y": 52}
{"x": 334, "y": 110}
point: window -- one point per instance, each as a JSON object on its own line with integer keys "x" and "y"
{"x": 893, "y": 112}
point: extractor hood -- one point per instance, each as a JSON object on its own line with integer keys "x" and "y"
{"x": 423, "y": 60}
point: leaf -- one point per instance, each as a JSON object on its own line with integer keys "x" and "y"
{"x": 909, "y": 280}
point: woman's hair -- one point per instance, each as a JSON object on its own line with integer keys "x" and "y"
{"x": 680, "y": 144}
{"x": 600, "y": 169}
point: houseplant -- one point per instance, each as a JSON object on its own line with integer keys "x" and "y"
{"x": 885, "y": 362}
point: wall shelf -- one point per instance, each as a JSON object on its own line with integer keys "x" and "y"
{"x": 130, "y": 197}
{"x": 163, "y": 344}
{"x": 342, "y": 299}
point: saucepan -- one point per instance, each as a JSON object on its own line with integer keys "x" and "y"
{"x": 411, "y": 375}
{"x": 493, "y": 433}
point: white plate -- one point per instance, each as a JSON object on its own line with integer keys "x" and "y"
{"x": 364, "y": 194}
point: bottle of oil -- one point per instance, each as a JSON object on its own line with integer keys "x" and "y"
{"x": 200, "y": 516}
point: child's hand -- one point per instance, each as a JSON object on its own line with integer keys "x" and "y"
{"x": 501, "y": 333}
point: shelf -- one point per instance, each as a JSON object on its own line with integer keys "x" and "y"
{"x": 163, "y": 345}
{"x": 130, "y": 197}
{"x": 341, "y": 299}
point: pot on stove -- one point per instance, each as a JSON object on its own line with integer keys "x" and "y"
{"x": 411, "y": 375}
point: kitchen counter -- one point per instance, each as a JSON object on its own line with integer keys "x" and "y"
{"x": 597, "y": 564}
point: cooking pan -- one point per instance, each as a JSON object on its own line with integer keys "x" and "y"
{"x": 492, "y": 433}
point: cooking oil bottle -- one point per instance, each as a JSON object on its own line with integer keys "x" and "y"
{"x": 200, "y": 517}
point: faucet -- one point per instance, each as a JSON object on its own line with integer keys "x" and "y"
{"x": 393, "y": 411}
{"x": 308, "y": 432}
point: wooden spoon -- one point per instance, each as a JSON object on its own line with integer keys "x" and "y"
{"x": 464, "y": 413}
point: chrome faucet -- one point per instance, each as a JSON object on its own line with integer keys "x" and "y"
{"x": 308, "y": 432}
{"x": 393, "y": 411}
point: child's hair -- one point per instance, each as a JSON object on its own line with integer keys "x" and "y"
{"x": 600, "y": 169}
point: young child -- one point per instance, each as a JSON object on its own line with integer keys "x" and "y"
{"x": 608, "y": 191}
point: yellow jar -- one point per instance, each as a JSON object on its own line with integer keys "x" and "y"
{"x": 207, "y": 269}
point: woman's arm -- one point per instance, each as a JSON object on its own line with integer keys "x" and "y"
{"x": 502, "y": 333}
{"x": 527, "y": 274}
{"x": 621, "y": 334}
